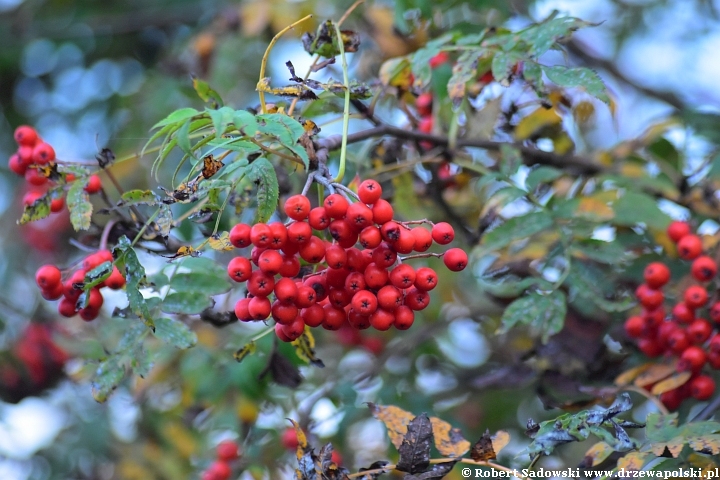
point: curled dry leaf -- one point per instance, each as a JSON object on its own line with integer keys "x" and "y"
{"x": 654, "y": 374}
{"x": 671, "y": 383}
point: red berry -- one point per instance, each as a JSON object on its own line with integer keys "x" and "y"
{"x": 404, "y": 317}
{"x": 259, "y": 308}
{"x": 116, "y": 280}
{"x": 702, "y": 387}
{"x": 240, "y": 235}
{"x": 381, "y": 319}
{"x": 16, "y": 164}
{"x": 426, "y": 125}
{"x": 297, "y": 207}
{"x": 66, "y": 307}
{"x": 260, "y": 283}
{"x": 389, "y": 298}
{"x": 334, "y": 317}
{"x": 313, "y": 251}
{"x": 364, "y": 302}
{"x": 405, "y": 243}
{"x": 714, "y": 360}
{"x": 31, "y": 197}
{"x": 655, "y": 316}
{"x": 423, "y": 239}
{"x": 290, "y": 267}
{"x": 677, "y": 230}
{"x": 374, "y": 345}
{"x": 635, "y": 326}
{"x": 704, "y": 268}
{"x": 313, "y": 316}
{"x": 672, "y": 399}
{"x": 280, "y": 332}
{"x": 695, "y": 296}
{"x": 369, "y": 191}
{"x": 443, "y": 233}
{"x": 336, "y": 277}
{"x": 699, "y": 331}
{"x": 382, "y": 212}
{"x": 417, "y": 299}
{"x": 715, "y": 312}
{"x": 335, "y": 205}
{"x": 57, "y": 204}
{"x": 53, "y": 293}
{"x": 714, "y": 346}
{"x": 390, "y": 232}
{"x": 260, "y": 235}
{"x": 34, "y": 177}
{"x": 656, "y": 275}
{"x": 357, "y": 321}
{"x": 239, "y": 269}
{"x": 48, "y": 276}
{"x": 370, "y": 237}
{"x": 43, "y": 154}
{"x": 94, "y": 184}
{"x": 681, "y": 313}
{"x": 25, "y": 154}
{"x": 690, "y": 247}
{"x": 455, "y": 259}
{"x": 285, "y": 314}
{"x": 425, "y": 279}
{"x": 438, "y": 59}
{"x": 383, "y": 256}
{"x": 95, "y": 300}
{"x": 678, "y": 341}
{"x": 228, "y": 450}
{"x": 295, "y": 328}
{"x": 423, "y": 103}
{"x": 403, "y": 276}
{"x": 88, "y": 314}
{"x": 278, "y": 235}
{"x": 286, "y": 290}
{"x": 319, "y": 219}
{"x": 335, "y": 256}
{"x": 241, "y": 310}
{"x": 692, "y": 359}
{"x": 299, "y": 233}
{"x": 220, "y": 470}
{"x": 359, "y": 216}
{"x": 270, "y": 262}
{"x": 650, "y": 347}
{"x": 25, "y": 135}
{"x": 649, "y": 298}
{"x": 71, "y": 292}
{"x": 289, "y": 439}
{"x": 375, "y": 276}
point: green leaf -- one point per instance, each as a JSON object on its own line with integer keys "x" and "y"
{"x": 633, "y": 208}
{"x": 516, "y": 228}
{"x": 543, "y": 313}
{"x": 78, "y": 202}
{"x": 511, "y": 286}
{"x": 511, "y": 159}
{"x": 37, "y": 210}
{"x": 665, "y": 152}
{"x": 502, "y": 65}
{"x": 543, "y": 36}
{"x": 705, "y": 124}
{"x": 206, "y": 93}
{"x": 201, "y": 265}
{"x": 532, "y": 73}
{"x": 245, "y": 122}
{"x": 200, "y": 282}
{"x": 97, "y": 275}
{"x": 234, "y": 144}
{"x": 420, "y": 62}
{"x": 262, "y": 174}
{"x": 542, "y": 174}
{"x": 134, "y": 274}
{"x": 714, "y": 172}
{"x": 174, "y": 332}
{"x": 221, "y": 118}
{"x": 107, "y": 377}
{"x": 286, "y": 129}
{"x": 188, "y": 303}
{"x": 182, "y": 137}
{"x": 609, "y": 253}
{"x": 588, "y": 285}
{"x": 138, "y": 197}
{"x": 465, "y": 70}
{"x": 578, "y": 77}
{"x": 178, "y": 116}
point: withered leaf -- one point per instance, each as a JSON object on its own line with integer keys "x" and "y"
{"x": 448, "y": 440}
{"x": 184, "y": 251}
{"x": 218, "y": 319}
{"x": 221, "y": 242}
{"x": 437, "y": 472}
{"x": 244, "y": 351}
{"x": 483, "y": 449}
{"x": 633, "y": 461}
{"x": 303, "y": 446}
{"x": 211, "y": 166}
{"x": 282, "y": 371}
{"x": 674, "y": 381}
{"x": 305, "y": 348}
{"x": 377, "y": 469}
{"x": 105, "y": 157}
{"x": 596, "y": 454}
{"x": 415, "y": 448}
{"x": 654, "y": 374}
{"x": 395, "y": 419}
{"x": 627, "y": 377}
{"x": 709, "y": 444}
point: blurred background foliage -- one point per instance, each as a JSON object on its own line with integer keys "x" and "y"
{"x": 94, "y": 74}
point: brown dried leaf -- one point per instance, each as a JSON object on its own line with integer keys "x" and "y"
{"x": 211, "y": 166}
{"x": 483, "y": 449}
{"x": 301, "y": 438}
{"x": 597, "y": 454}
{"x": 671, "y": 383}
{"x": 448, "y": 440}
{"x": 654, "y": 374}
{"x": 395, "y": 419}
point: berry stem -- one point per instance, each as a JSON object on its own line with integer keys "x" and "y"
{"x": 416, "y": 222}
{"x": 346, "y": 108}
{"x": 345, "y": 189}
{"x": 106, "y": 233}
{"x": 420, "y": 255}
{"x": 263, "y": 64}
{"x": 308, "y": 183}
{"x": 658, "y": 404}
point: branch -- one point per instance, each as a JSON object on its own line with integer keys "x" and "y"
{"x": 572, "y": 163}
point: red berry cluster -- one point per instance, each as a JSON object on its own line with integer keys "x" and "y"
{"x": 684, "y": 332}
{"x": 364, "y": 286}
{"x": 227, "y": 452}
{"x": 49, "y": 279}
{"x": 33, "y": 153}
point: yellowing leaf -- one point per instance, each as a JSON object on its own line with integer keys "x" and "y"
{"x": 674, "y": 446}
{"x": 221, "y": 242}
{"x": 536, "y": 121}
{"x": 305, "y": 348}
{"x": 597, "y": 454}
{"x": 562, "y": 143}
{"x": 448, "y": 440}
{"x": 654, "y": 374}
{"x": 500, "y": 440}
{"x": 632, "y": 461}
{"x": 244, "y": 351}
{"x": 301, "y": 438}
{"x": 709, "y": 444}
{"x": 181, "y": 438}
{"x": 628, "y": 376}
{"x": 396, "y": 421}
{"x": 633, "y": 170}
{"x": 584, "y": 111}
{"x": 184, "y": 251}
{"x": 595, "y": 209}
{"x": 671, "y": 383}
{"x": 396, "y": 72}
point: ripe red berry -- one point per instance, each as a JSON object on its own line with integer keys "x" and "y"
{"x": 404, "y": 317}
{"x": 88, "y": 314}
{"x": 381, "y": 319}
{"x": 389, "y": 298}
{"x": 681, "y": 313}
{"x": 31, "y": 197}
{"x": 284, "y": 313}
{"x": 672, "y": 399}
{"x": 426, "y": 126}
{"x": 286, "y": 290}
{"x": 702, "y": 387}
{"x": 425, "y": 279}
{"x": 294, "y": 329}
{"x": 423, "y": 239}
{"x": 714, "y": 360}
{"x": 678, "y": 341}
{"x": 699, "y": 331}
{"x": 259, "y": 308}
{"x": 299, "y": 233}
{"x": 278, "y": 235}
{"x": 240, "y": 235}
{"x": 335, "y": 277}
{"x": 390, "y": 232}
{"x": 290, "y": 266}
{"x": 443, "y": 233}
{"x": 649, "y": 298}
{"x": 94, "y": 184}
{"x": 280, "y": 332}
{"x": 48, "y": 276}
{"x": 650, "y": 347}
{"x": 313, "y": 316}
{"x": 66, "y": 307}
{"x": 270, "y": 262}
{"x": 455, "y": 259}
{"x": 382, "y": 212}
{"x": 334, "y": 317}
{"x": 692, "y": 359}
{"x": 319, "y": 219}
{"x": 52, "y": 293}
{"x": 656, "y": 275}
{"x": 34, "y": 177}
{"x": 417, "y": 299}
{"x": 335, "y": 256}
{"x": 704, "y": 268}
{"x": 260, "y": 283}
{"x": 383, "y": 256}
{"x": 25, "y": 135}
{"x": 116, "y": 280}
{"x": 219, "y": 471}
{"x": 71, "y": 292}
{"x": 335, "y": 205}
{"x": 715, "y": 312}
{"x": 359, "y": 216}
{"x": 364, "y": 302}
{"x": 369, "y": 191}
{"x": 714, "y": 345}
{"x": 289, "y": 439}
{"x": 403, "y": 276}
{"x": 690, "y": 247}
{"x": 241, "y": 310}
{"x": 43, "y": 153}
{"x": 228, "y": 450}
{"x": 297, "y": 207}
{"x": 95, "y": 300}
{"x": 677, "y": 230}
{"x": 438, "y": 59}
{"x": 16, "y": 164}
{"x": 260, "y": 235}
{"x": 57, "y": 204}
{"x": 405, "y": 243}
{"x": 239, "y": 269}
{"x": 375, "y": 276}
{"x": 313, "y": 251}
{"x": 423, "y": 103}
{"x": 635, "y": 326}
{"x": 695, "y": 296}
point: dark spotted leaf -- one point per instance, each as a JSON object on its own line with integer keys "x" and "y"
{"x": 415, "y": 448}
{"x": 437, "y": 472}
{"x": 126, "y": 259}
{"x": 107, "y": 377}
{"x": 581, "y": 77}
{"x": 78, "y": 202}
{"x": 262, "y": 173}
{"x": 97, "y": 275}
